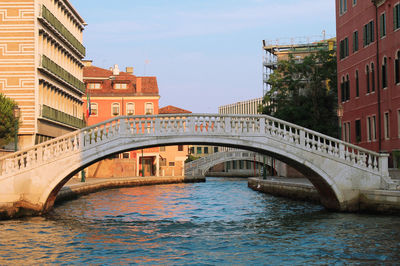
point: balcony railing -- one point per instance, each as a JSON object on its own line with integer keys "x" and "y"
{"x": 48, "y": 16}
{"x": 60, "y": 72}
{"x": 58, "y": 116}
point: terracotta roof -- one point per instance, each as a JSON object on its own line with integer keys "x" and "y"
{"x": 173, "y": 110}
{"x": 134, "y": 85}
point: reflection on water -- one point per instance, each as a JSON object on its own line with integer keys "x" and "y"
{"x": 217, "y": 222}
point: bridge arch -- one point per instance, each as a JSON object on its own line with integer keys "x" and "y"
{"x": 337, "y": 169}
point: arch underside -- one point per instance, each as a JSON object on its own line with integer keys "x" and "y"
{"x": 331, "y": 196}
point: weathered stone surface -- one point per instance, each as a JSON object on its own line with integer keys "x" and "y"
{"x": 337, "y": 169}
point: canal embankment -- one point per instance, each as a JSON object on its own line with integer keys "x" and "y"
{"x": 373, "y": 201}
{"x": 75, "y": 187}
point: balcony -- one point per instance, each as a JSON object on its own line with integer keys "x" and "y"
{"x": 62, "y": 30}
{"x": 61, "y": 73}
{"x": 61, "y": 117}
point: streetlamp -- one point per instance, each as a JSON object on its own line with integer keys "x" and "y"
{"x": 340, "y": 111}
{"x": 17, "y": 114}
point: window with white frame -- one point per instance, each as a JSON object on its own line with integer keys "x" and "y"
{"x": 346, "y": 131}
{"x": 386, "y": 125}
{"x": 94, "y": 85}
{"x": 149, "y": 109}
{"x": 130, "y": 108}
{"x": 115, "y": 109}
{"x": 120, "y": 86}
{"x": 371, "y": 128}
{"x": 93, "y": 109}
{"x": 398, "y": 123}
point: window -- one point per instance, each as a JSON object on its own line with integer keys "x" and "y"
{"x": 180, "y": 147}
{"x": 382, "y": 25}
{"x": 215, "y": 149}
{"x": 354, "y": 2}
{"x": 205, "y": 150}
{"x": 357, "y": 85}
{"x": 346, "y": 131}
{"x": 198, "y": 150}
{"x": 125, "y": 155}
{"x": 367, "y": 76}
{"x": 386, "y": 125}
{"x": 191, "y": 150}
{"x": 358, "y": 130}
{"x": 384, "y": 73}
{"x": 343, "y": 6}
{"x": 396, "y": 17}
{"x": 397, "y": 68}
{"x": 120, "y": 86}
{"x": 162, "y": 148}
{"x": 115, "y": 109}
{"x": 342, "y": 90}
{"x": 355, "y": 41}
{"x": 94, "y": 86}
{"x": 163, "y": 161}
{"x": 368, "y": 33}
{"x": 93, "y": 109}
{"x": 398, "y": 123}
{"x": 171, "y": 163}
{"x": 344, "y": 48}
{"x": 371, "y": 128}
{"x": 372, "y": 77}
{"x": 130, "y": 108}
{"x": 347, "y": 88}
{"x": 149, "y": 110}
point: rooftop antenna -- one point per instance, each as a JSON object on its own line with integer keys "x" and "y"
{"x": 323, "y": 35}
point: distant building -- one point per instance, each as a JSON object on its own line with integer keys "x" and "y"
{"x": 250, "y": 107}
{"x": 41, "y": 65}
{"x": 172, "y": 158}
{"x": 111, "y": 93}
{"x": 369, "y": 74}
{"x": 282, "y": 49}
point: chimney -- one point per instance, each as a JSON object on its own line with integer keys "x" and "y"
{"x": 87, "y": 63}
{"x": 115, "y": 70}
{"x": 129, "y": 70}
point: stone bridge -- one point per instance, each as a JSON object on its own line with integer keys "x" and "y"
{"x": 30, "y": 179}
{"x": 201, "y": 166}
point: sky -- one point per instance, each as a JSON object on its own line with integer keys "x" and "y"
{"x": 204, "y": 53}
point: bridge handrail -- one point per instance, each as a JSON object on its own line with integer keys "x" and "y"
{"x": 258, "y": 124}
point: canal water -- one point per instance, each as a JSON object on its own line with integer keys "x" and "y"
{"x": 220, "y": 222}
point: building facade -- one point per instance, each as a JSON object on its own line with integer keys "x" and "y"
{"x": 111, "y": 93}
{"x": 41, "y": 68}
{"x": 250, "y": 107}
{"x": 369, "y": 74}
{"x": 172, "y": 158}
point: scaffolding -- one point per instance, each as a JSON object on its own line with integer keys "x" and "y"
{"x": 299, "y": 47}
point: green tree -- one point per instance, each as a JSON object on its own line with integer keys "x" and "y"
{"x": 8, "y": 124}
{"x": 305, "y": 92}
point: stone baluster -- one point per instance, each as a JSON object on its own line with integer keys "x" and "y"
{"x": 375, "y": 163}
{"x": 261, "y": 126}
{"x": 341, "y": 151}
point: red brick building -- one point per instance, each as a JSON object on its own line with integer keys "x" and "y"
{"x": 368, "y": 34}
{"x": 111, "y": 93}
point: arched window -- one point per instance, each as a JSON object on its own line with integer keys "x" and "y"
{"x": 367, "y": 76}
{"x": 115, "y": 109}
{"x": 93, "y": 109}
{"x": 347, "y": 97}
{"x": 372, "y": 77}
{"x": 384, "y": 73}
{"x": 397, "y": 68}
{"x": 357, "y": 85}
{"x": 130, "y": 108}
{"x": 149, "y": 109}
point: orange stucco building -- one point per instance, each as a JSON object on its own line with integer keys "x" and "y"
{"x": 111, "y": 93}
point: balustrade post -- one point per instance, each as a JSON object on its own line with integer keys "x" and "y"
{"x": 262, "y": 125}
{"x": 302, "y": 138}
{"x": 157, "y": 124}
{"x": 341, "y": 151}
{"x": 122, "y": 126}
{"x": 228, "y": 127}
{"x": 383, "y": 164}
